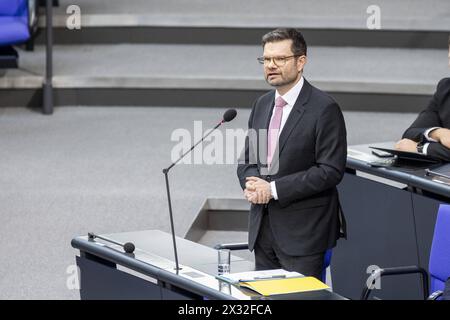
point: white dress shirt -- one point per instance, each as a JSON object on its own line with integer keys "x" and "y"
{"x": 290, "y": 97}
{"x": 427, "y": 136}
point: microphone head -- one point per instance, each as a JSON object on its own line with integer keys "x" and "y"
{"x": 128, "y": 247}
{"x": 229, "y": 115}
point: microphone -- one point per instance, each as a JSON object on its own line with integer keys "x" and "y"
{"x": 128, "y": 247}
{"x": 229, "y": 115}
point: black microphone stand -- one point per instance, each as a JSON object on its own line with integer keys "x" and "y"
{"x": 166, "y": 175}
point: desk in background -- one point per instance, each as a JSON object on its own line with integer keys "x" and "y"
{"x": 390, "y": 213}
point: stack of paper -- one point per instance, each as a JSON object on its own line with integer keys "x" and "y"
{"x": 258, "y": 275}
{"x": 271, "y": 282}
{"x": 283, "y": 286}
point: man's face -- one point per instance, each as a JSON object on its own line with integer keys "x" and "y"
{"x": 287, "y": 72}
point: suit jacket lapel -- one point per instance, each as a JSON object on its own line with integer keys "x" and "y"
{"x": 268, "y": 111}
{"x": 295, "y": 115}
{"x": 265, "y": 113}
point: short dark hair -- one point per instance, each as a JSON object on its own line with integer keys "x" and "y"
{"x": 298, "y": 42}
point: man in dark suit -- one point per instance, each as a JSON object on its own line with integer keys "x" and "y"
{"x": 295, "y": 214}
{"x": 430, "y": 132}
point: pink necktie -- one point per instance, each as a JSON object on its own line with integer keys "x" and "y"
{"x": 274, "y": 129}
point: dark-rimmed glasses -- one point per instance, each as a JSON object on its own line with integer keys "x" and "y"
{"x": 278, "y": 61}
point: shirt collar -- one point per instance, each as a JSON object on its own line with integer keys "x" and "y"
{"x": 291, "y": 96}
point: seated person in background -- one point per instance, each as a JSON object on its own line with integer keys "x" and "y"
{"x": 430, "y": 133}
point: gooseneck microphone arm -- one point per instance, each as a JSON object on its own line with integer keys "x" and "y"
{"x": 192, "y": 148}
{"x": 128, "y": 247}
{"x": 228, "y": 116}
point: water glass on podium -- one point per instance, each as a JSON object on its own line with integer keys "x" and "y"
{"x": 223, "y": 266}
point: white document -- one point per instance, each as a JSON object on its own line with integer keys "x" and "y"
{"x": 258, "y": 275}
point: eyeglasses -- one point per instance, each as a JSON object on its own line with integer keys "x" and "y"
{"x": 278, "y": 61}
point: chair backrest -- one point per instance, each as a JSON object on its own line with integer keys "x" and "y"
{"x": 439, "y": 264}
{"x": 326, "y": 264}
{"x": 13, "y": 8}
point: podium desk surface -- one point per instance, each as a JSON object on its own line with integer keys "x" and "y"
{"x": 154, "y": 257}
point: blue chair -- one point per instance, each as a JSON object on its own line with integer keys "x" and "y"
{"x": 14, "y": 27}
{"x": 439, "y": 263}
{"x": 326, "y": 264}
{"x": 244, "y": 246}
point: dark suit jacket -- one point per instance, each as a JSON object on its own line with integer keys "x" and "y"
{"x": 436, "y": 115}
{"x": 307, "y": 218}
